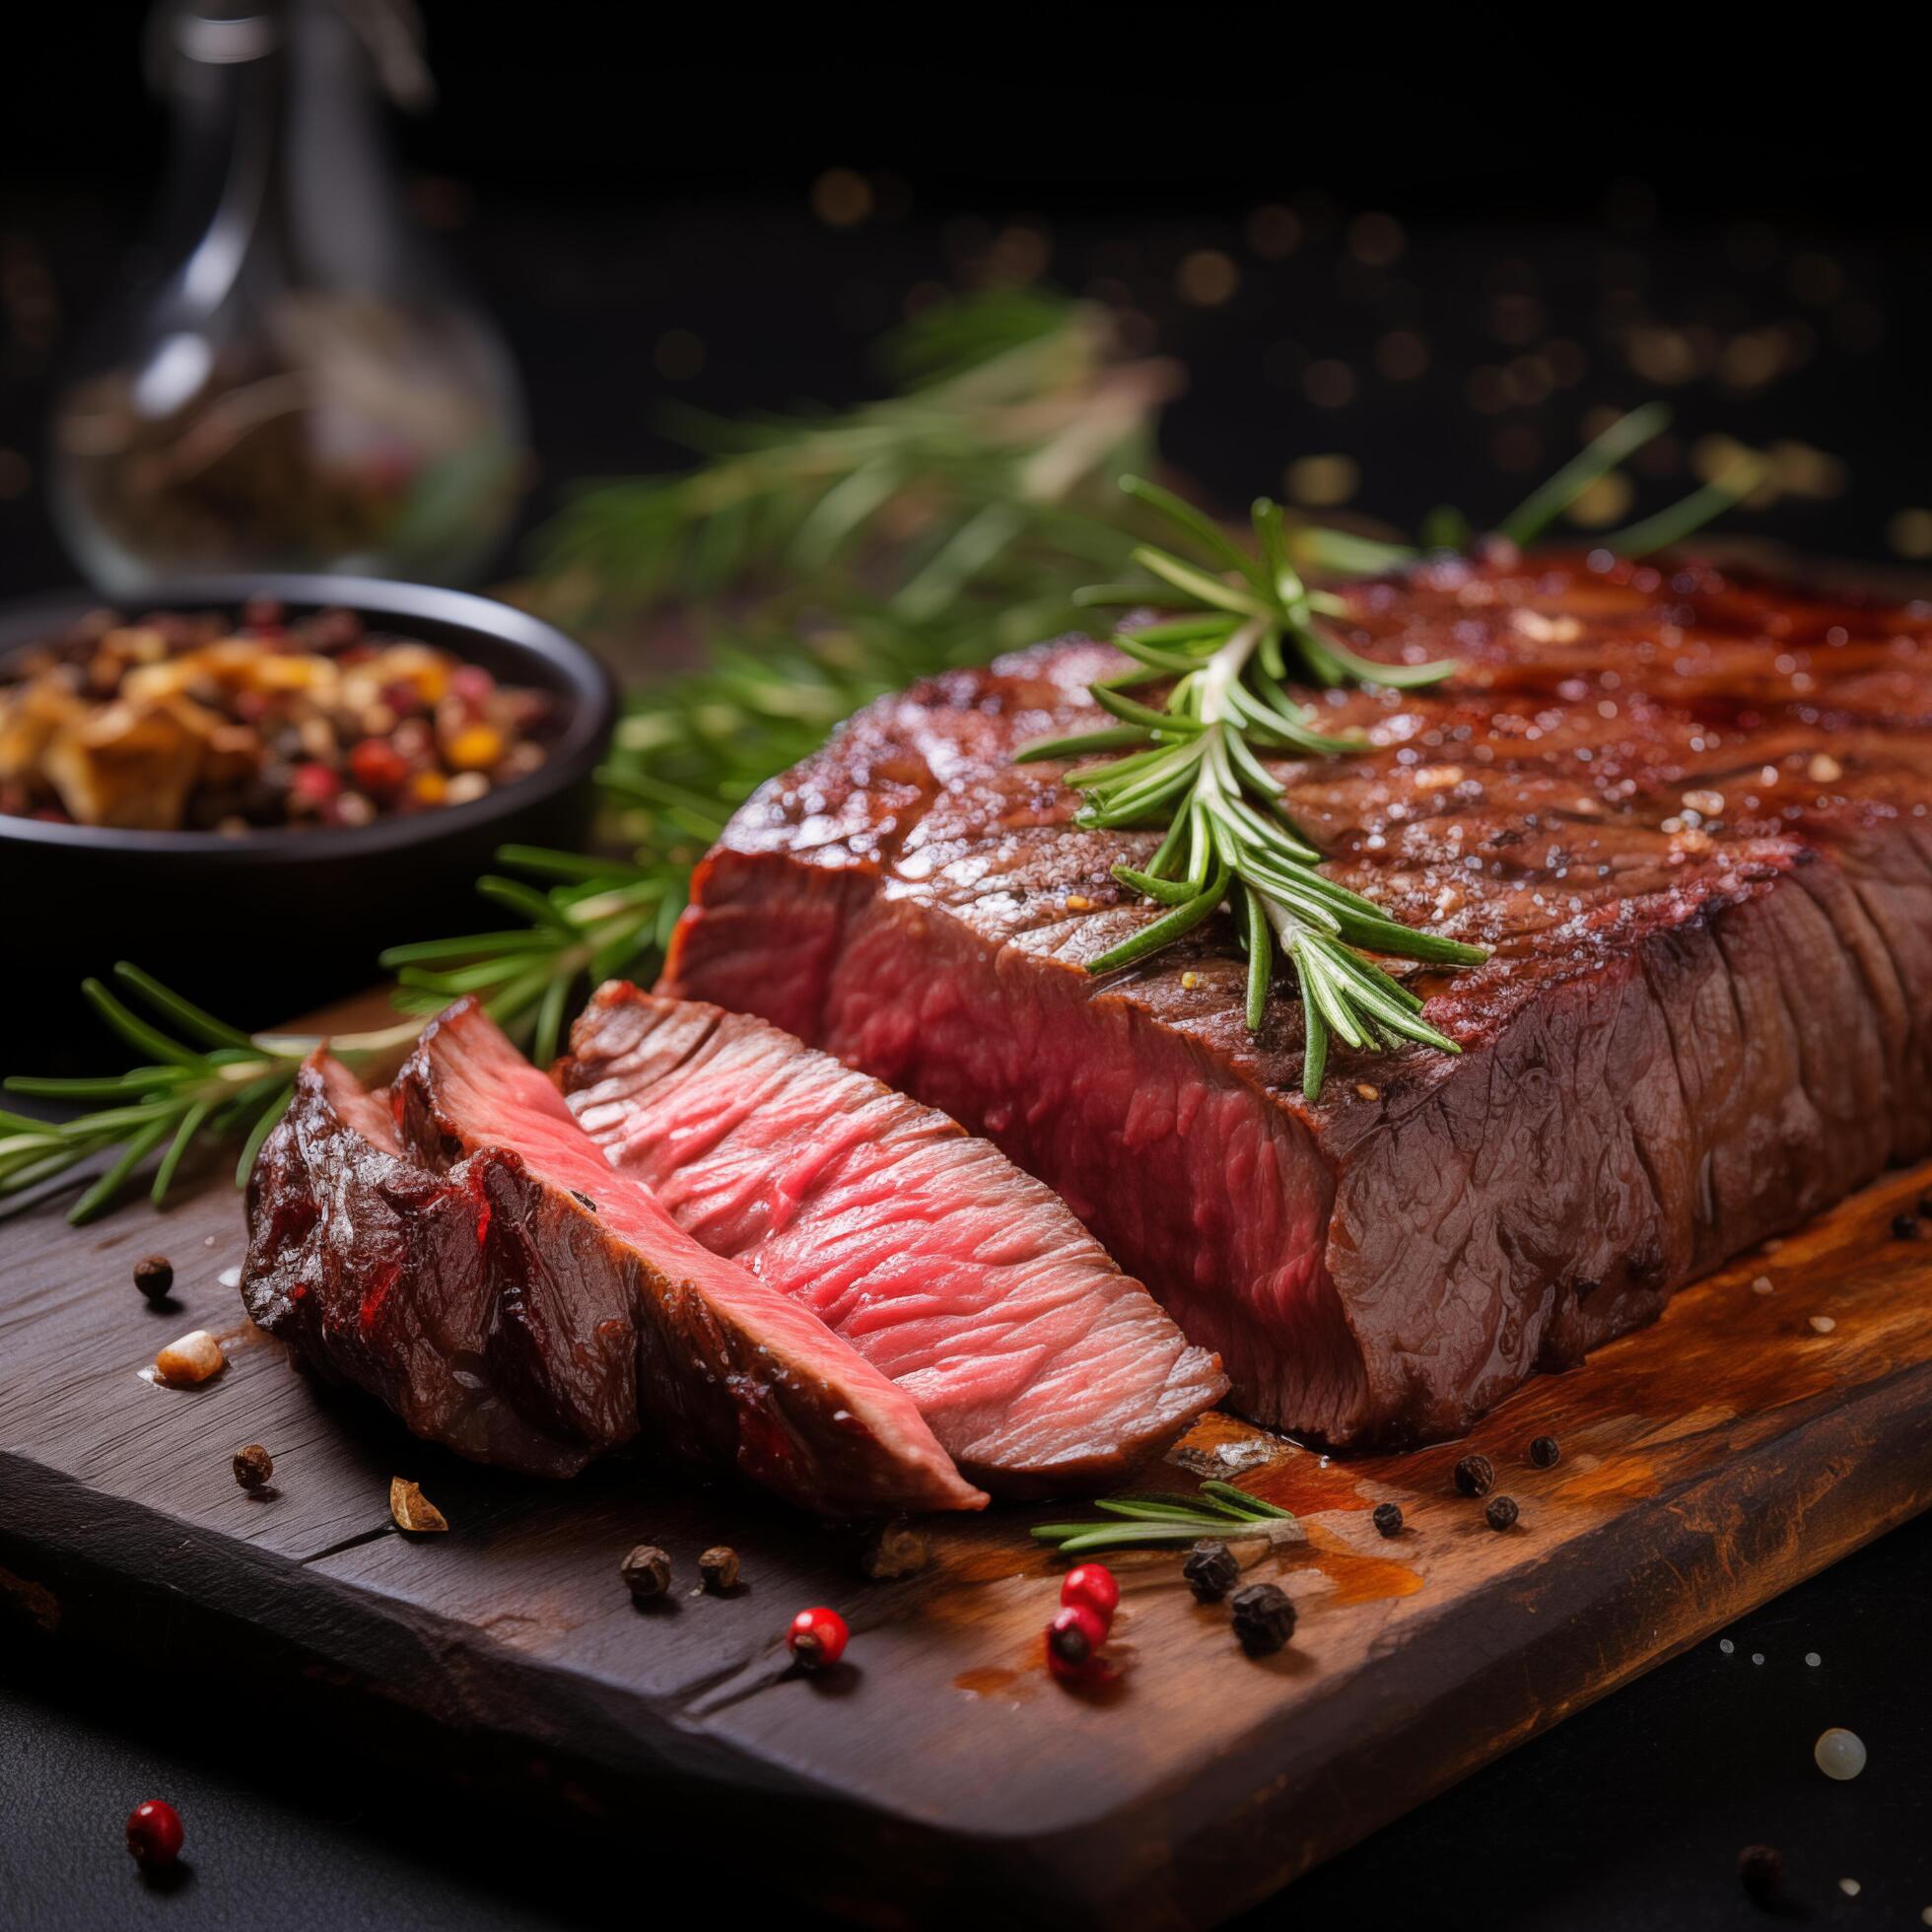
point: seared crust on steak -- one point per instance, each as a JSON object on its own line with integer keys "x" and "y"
{"x": 380, "y": 1273}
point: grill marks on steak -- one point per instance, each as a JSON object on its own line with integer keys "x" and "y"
{"x": 379, "y": 1272}
{"x": 615, "y": 1301}
{"x": 1039, "y": 1366}
{"x": 1687, "y": 810}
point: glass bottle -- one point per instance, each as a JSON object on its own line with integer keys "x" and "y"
{"x": 304, "y": 387}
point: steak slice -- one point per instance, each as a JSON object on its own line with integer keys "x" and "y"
{"x": 1038, "y": 1364}
{"x": 623, "y": 1307}
{"x": 379, "y": 1274}
{"x": 1685, "y": 807}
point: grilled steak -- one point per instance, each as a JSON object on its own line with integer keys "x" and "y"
{"x": 622, "y": 1312}
{"x": 1688, "y": 810}
{"x": 1040, "y": 1368}
{"x": 379, "y": 1272}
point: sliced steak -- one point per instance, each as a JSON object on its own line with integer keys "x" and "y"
{"x": 379, "y": 1274}
{"x": 1040, "y": 1366}
{"x": 622, "y": 1305}
{"x": 1690, "y": 812}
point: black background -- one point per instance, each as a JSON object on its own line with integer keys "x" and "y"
{"x": 606, "y": 179}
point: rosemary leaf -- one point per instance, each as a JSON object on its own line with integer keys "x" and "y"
{"x": 1621, "y": 440}
{"x": 1690, "y": 514}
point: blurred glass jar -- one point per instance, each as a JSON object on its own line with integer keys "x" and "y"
{"x": 305, "y": 387}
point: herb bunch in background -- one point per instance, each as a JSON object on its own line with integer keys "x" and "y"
{"x": 980, "y": 489}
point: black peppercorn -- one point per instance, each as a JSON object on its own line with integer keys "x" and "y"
{"x": 1501, "y": 1513}
{"x": 1476, "y": 1476}
{"x": 1211, "y": 1570}
{"x": 1544, "y": 1453}
{"x": 647, "y": 1574}
{"x": 1905, "y": 1227}
{"x": 1760, "y": 1871}
{"x": 155, "y": 1277}
{"x": 1264, "y": 1619}
{"x": 1388, "y": 1518}
{"x": 253, "y": 1466}
{"x": 718, "y": 1568}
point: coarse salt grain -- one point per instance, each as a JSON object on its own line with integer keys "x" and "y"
{"x": 1813, "y": 1659}
{"x": 1849, "y": 1886}
{"x": 1757, "y": 1656}
{"x": 1840, "y": 1753}
{"x": 1824, "y": 769}
{"x": 1726, "y": 1645}
{"x": 1823, "y": 1323}
{"x": 1760, "y": 1284}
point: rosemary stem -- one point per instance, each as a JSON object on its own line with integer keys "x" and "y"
{"x": 1223, "y": 671}
{"x": 297, "y": 1046}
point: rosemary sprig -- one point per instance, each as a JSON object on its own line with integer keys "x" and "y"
{"x": 202, "y": 1080}
{"x": 1251, "y": 625}
{"x": 1160, "y": 1521}
{"x": 1195, "y": 763}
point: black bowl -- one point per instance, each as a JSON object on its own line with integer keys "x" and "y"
{"x": 261, "y": 926}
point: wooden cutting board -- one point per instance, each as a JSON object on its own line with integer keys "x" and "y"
{"x": 1779, "y": 1416}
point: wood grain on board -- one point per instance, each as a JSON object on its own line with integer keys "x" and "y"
{"x": 1777, "y": 1417}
